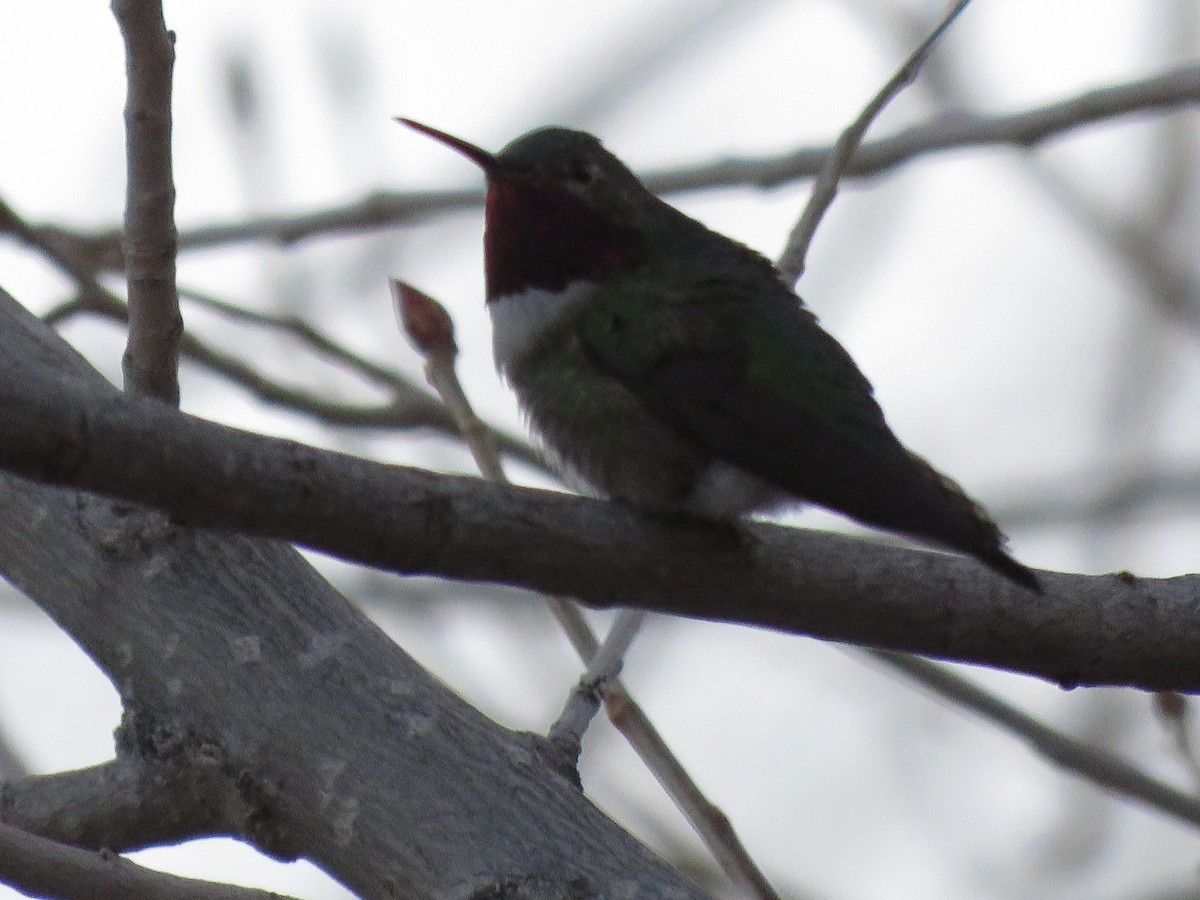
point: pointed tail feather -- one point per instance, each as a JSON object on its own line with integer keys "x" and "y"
{"x": 954, "y": 520}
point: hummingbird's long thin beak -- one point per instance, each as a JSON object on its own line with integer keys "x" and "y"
{"x": 479, "y": 156}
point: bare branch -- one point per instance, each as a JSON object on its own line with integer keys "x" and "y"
{"x": 388, "y": 209}
{"x": 380, "y": 209}
{"x": 40, "y": 867}
{"x": 1086, "y": 630}
{"x": 129, "y": 803}
{"x": 708, "y": 819}
{"x": 1169, "y": 90}
{"x": 1094, "y": 764}
{"x": 151, "y": 360}
{"x": 409, "y": 406}
{"x": 791, "y": 261}
{"x": 1168, "y": 280}
{"x": 56, "y": 247}
{"x": 306, "y": 333}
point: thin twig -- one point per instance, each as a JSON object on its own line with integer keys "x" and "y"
{"x": 1094, "y": 764}
{"x": 41, "y": 867}
{"x": 604, "y": 666}
{"x": 1091, "y": 763}
{"x": 55, "y": 250}
{"x": 151, "y": 361}
{"x": 305, "y": 332}
{"x": 409, "y": 407}
{"x": 432, "y": 331}
{"x": 1169, "y": 281}
{"x": 792, "y": 260}
{"x": 1176, "y": 714}
{"x": 1025, "y": 129}
{"x": 606, "y": 663}
{"x": 389, "y": 209}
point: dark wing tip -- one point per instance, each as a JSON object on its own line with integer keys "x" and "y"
{"x": 960, "y": 523}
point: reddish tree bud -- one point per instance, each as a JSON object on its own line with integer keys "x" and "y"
{"x": 424, "y": 320}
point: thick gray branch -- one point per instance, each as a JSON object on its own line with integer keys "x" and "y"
{"x": 232, "y": 653}
{"x": 1087, "y": 630}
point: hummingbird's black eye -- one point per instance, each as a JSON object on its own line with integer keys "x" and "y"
{"x": 583, "y": 171}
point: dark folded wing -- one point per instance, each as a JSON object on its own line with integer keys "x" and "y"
{"x": 755, "y": 380}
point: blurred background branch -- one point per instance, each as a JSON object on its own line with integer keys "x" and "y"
{"x": 390, "y": 209}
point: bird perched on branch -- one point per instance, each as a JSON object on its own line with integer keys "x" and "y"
{"x": 669, "y": 366}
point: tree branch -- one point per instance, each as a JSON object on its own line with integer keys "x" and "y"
{"x": 409, "y": 406}
{"x": 1096, "y": 765}
{"x": 1087, "y": 630}
{"x": 128, "y": 804}
{"x": 1023, "y": 130}
{"x": 40, "y": 867}
{"x": 321, "y": 344}
{"x": 151, "y": 360}
{"x": 235, "y": 652}
{"x": 792, "y": 261}
{"x": 388, "y": 209}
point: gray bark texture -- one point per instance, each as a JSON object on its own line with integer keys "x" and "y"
{"x": 264, "y": 704}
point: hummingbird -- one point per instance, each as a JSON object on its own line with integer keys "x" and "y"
{"x": 670, "y": 367}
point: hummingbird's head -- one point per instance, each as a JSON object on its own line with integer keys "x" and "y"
{"x": 560, "y": 209}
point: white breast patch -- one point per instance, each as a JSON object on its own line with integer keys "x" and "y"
{"x": 518, "y": 320}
